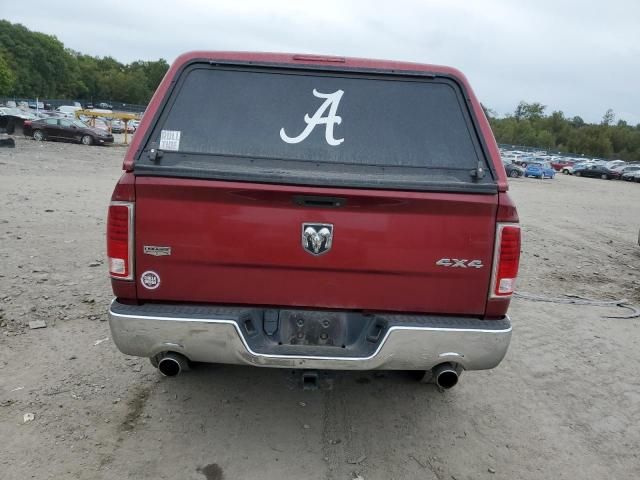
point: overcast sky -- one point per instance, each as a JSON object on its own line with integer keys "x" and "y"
{"x": 581, "y": 57}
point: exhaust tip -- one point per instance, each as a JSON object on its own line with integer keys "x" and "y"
{"x": 172, "y": 364}
{"x": 445, "y": 375}
{"x": 447, "y": 380}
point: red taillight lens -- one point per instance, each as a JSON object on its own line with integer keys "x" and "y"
{"x": 27, "y": 123}
{"x": 506, "y": 260}
{"x": 120, "y": 240}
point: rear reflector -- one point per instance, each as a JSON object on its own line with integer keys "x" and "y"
{"x": 120, "y": 240}
{"x": 505, "y": 260}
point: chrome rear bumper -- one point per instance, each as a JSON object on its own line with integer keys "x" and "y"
{"x": 214, "y": 335}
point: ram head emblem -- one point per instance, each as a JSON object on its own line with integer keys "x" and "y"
{"x": 317, "y": 237}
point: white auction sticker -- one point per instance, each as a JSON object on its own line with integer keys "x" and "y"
{"x": 150, "y": 280}
{"x": 170, "y": 140}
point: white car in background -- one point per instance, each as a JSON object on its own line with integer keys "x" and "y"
{"x": 627, "y": 168}
{"x": 613, "y": 164}
{"x": 68, "y": 111}
{"x": 17, "y": 112}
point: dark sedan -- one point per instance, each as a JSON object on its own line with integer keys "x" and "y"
{"x": 67, "y": 130}
{"x": 596, "y": 171}
{"x": 512, "y": 169}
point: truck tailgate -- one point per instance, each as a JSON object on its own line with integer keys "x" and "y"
{"x": 242, "y": 243}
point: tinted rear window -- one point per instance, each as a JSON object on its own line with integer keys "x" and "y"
{"x": 282, "y": 125}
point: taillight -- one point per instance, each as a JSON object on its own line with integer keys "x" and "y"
{"x": 26, "y": 123}
{"x": 505, "y": 260}
{"x": 120, "y": 240}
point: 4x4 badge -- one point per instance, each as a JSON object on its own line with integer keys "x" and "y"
{"x": 459, "y": 263}
{"x": 317, "y": 237}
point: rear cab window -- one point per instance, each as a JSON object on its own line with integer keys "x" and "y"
{"x": 314, "y": 127}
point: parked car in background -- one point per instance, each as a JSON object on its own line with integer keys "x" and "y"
{"x": 560, "y": 163}
{"x": 16, "y": 112}
{"x": 627, "y": 169}
{"x": 614, "y": 164}
{"x": 12, "y": 119}
{"x": 524, "y": 161}
{"x": 37, "y": 114}
{"x": 105, "y": 105}
{"x": 540, "y": 170}
{"x": 595, "y": 171}
{"x": 68, "y": 111}
{"x": 568, "y": 170}
{"x": 67, "y": 130}
{"x": 117, "y": 126}
{"x": 633, "y": 176}
{"x": 101, "y": 124}
{"x": 512, "y": 169}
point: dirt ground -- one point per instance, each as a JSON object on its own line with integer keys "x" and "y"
{"x": 564, "y": 404}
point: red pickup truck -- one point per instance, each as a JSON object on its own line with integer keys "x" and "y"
{"x": 312, "y": 212}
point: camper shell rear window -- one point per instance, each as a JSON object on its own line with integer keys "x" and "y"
{"x": 279, "y": 124}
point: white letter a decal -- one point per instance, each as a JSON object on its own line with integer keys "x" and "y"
{"x": 331, "y": 102}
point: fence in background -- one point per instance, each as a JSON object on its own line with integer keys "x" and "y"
{"x": 57, "y": 102}
{"x": 524, "y": 148}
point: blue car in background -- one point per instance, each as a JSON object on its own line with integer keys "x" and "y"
{"x": 540, "y": 170}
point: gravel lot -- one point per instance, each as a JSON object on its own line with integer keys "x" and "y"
{"x": 565, "y": 403}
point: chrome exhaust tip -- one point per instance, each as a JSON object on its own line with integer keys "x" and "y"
{"x": 445, "y": 375}
{"x": 171, "y": 364}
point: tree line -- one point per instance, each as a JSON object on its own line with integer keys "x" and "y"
{"x": 528, "y": 125}
{"x": 34, "y": 64}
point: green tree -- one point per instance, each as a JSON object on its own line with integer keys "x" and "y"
{"x": 577, "y": 122}
{"x": 608, "y": 117}
{"x": 530, "y": 126}
{"x": 7, "y": 78}
{"x": 33, "y": 65}
{"x": 529, "y": 111}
